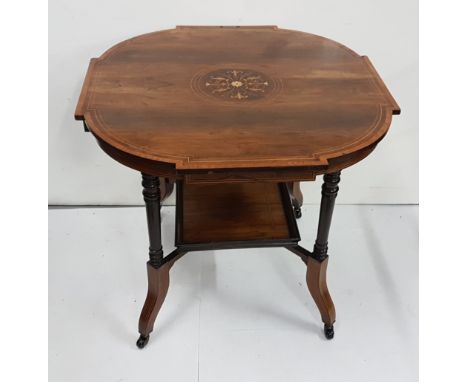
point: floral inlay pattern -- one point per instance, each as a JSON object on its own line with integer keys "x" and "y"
{"x": 236, "y": 85}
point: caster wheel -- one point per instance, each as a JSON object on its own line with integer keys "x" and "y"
{"x": 297, "y": 213}
{"x": 329, "y": 331}
{"x": 142, "y": 341}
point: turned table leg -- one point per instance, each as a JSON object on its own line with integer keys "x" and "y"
{"x": 317, "y": 263}
{"x": 158, "y": 274}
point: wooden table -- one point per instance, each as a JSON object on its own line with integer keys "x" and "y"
{"x": 236, "y": 117}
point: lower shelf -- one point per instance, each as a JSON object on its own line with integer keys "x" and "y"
{"x": 234, "y": 215}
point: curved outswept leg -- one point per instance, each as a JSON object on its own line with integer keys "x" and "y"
{"x": 316, "y": 278}
{"x": 296, "y": 198}
{"x": 158, "y": 285}
{"x": 317, "y": 263}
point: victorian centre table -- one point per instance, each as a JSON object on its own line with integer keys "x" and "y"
{"x": 236, "y": 117}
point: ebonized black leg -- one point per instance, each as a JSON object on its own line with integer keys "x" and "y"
{"x": 158, "y": 274}
{"x": 317, "y": 263}
{"x": 327, "y": 204}
{"x": 152, "y": 197}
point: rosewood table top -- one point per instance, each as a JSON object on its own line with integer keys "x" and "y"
{"x": 236, "y": 117}
{"x": 213, "y": 98}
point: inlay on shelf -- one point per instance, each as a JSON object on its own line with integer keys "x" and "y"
{"x": 237, "y": 117}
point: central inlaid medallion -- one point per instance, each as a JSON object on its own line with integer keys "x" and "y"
{"x": 235, "y": 85}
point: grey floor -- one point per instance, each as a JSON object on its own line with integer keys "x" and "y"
{"x": 235, "y": 315}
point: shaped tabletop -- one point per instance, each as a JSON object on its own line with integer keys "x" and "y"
{"x": 201, "y": 98}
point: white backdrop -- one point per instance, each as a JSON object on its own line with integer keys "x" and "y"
{"x": 387, "y": 32}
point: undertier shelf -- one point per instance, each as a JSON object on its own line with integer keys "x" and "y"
{"x": 234, "y": 215}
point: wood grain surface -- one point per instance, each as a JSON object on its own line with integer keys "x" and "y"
{"x": 216, "y": 98}
{"x": 233, "y": 212}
